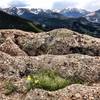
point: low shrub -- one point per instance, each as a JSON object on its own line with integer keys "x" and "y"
{"x": 48, "y": 80}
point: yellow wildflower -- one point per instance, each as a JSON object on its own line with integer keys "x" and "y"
{"x": 29, "y": 78}
{"x": 36, "y": 81}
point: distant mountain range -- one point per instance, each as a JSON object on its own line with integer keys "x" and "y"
{"x": 93, "y": 16}
{"x": 75, "y": 19}
{"x": 37, "y": 14}
{"x": 72, "y": 13}
{"x": 15, "y": 22}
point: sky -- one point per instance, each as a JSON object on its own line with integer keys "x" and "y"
{"x": 90, "y": 5}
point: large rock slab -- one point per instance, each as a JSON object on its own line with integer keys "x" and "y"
{"x": 60, "y": 50}
{"x": 57, "y": 42}
{"x": 11, "y": 48}
{"x": 72, "y": 92}
{"x": 83, "y": 67}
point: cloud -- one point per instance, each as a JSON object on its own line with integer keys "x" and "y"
{"x": 46, "y": 4}
{"x": 83, "y": 4}
{"x": 92, "y": 5}
{"x": 12, "y": 3}
{"x": 18, "y": 3}
{"x": 49, "y": 4}
{"x": 64, "y": 4}
{"x": 28, "y": 3}
{"x": 4, "y": 3}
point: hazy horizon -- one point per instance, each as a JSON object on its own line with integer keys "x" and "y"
{"x": 90, "y": 5}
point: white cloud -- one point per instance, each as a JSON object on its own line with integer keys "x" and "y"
{"x": 42, "y": 3}
{"x": 4, "y": 3}
{"x": 18, "y": 3}
{"x": 86, "y": 4}
{"x": 92, "y": 5}
{"x": 29, "y": 3}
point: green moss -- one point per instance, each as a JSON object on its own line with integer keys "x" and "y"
{"x": 48, "y": 80}
{"x": 10, "y": 88}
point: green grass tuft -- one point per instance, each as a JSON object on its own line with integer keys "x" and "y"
{"x": 10, "y": 88}
{"x": 48, "y": 80}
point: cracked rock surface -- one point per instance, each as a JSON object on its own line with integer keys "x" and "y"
{"x": 69, "y": 53}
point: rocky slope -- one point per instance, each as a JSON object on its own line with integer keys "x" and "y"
{"x": 57, "y": 42}
{"x": 70, "y": 54}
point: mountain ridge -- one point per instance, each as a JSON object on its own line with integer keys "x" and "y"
{"x": 67, "y": 12}
{"x": 52, "y": 19}
{"x": 8, "y": 21}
